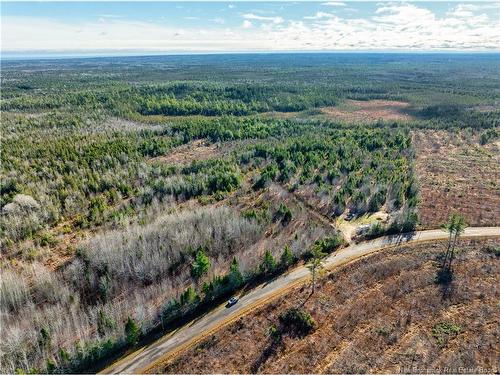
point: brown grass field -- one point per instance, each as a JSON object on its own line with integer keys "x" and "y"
{"x": 456, "y": 173}
{"x": 357, "y": 111}
{"x": 383, "y": 313}
{"x": 369, "y": 111}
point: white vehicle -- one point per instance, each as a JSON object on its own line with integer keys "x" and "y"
{"x": 232, "y": 301}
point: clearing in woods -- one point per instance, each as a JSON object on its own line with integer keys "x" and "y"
{"x": 193, "y": 151}
{"x": 369, "y": 110}
{"x": 456, "y": 173}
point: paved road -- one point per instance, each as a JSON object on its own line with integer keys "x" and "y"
{"x": 172, "y": 343}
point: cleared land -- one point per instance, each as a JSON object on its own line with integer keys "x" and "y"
{"x": 456, "y": 173}
{"x": 383, "y": 313}
{"x": 197, "y": 150}
{"x": 369, "y": 111}
{"x": 357, "y": 111}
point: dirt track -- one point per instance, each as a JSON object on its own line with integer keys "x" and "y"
{"x": 171, "y": 344}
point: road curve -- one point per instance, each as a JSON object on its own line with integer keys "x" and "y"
{"x": 174, "y": 342}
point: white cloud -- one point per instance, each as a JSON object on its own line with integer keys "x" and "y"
{"x": 218, "y": 20}
{"x": 319, "y": 15}
{"x": 479, "y": 6}
{"x": 403, "y": 14}
{"x": 251, "y": 16}
{"x": 334, "y": 4}
{"x": 391, "y": 26}
{"x": 470, "y": 10}
{"x": 246, "y": 24}
{"x": 191, "y": 18}
{"x": 24, "y": 34}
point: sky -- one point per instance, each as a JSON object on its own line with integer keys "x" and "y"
{"x": 115, "y": 27}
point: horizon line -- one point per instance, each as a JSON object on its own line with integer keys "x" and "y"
{"x": 25, "y": 55}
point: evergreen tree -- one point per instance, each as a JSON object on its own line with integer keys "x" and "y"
{"x": 104, "y": 323}
{"x": 287, "y": 258}
{"x": 458, "y": 228}
{"x": 455, "y": 227}
{"x": 132, "y": 331}
{"x": 235, "y": 277}
{"x": 189, "y": 296}
{"x": 268, "y": 264}
{"x": 201, "y": 264}
{"x": 44, "y": 339}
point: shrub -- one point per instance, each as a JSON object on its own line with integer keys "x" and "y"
{"x": 444, "y": 276}
{"x": 44, "y": 338}
{"x": 296, "y": 322}
{"x": 329, "y": 244}
{"x": 64, "y": 356}
{"x": 284, "y": 214}
{"x": 260, "y": 215}
{"x": 489, "y": 135}
{"x": 406, "y": 221}
{"x": 267, "y": 175}
{"x": 249, "y": 214}
{"x": 376, "y": 230}
{"x": 51, "y": 366}
{"x": 275, "y": 333}
{"x": 46, "y": 239}
{"x": 377, "y": 201}
{"x": 382, "y": 331}
{"x": 443, "y": 331}
{"x": 492, "y": 249}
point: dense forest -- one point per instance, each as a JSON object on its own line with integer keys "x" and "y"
{"x": 106, "y": 228}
